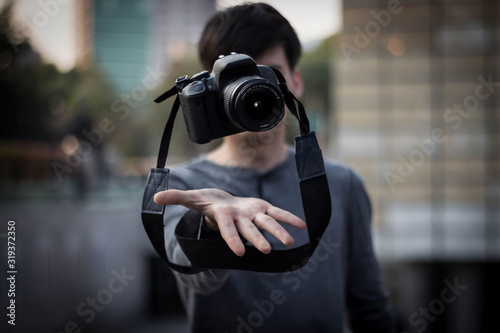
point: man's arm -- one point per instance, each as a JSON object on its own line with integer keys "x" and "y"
{"x": 366, "y": 298}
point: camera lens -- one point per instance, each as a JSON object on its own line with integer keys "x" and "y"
{"x": 253, "y": 103}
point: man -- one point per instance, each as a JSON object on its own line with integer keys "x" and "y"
{"x": 264, "y": 207}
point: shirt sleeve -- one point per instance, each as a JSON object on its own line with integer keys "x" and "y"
{"x": 366, "y": 299}
{"x": 205, "y": 282}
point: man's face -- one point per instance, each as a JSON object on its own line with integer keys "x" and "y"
{"x": 274, "y": 57}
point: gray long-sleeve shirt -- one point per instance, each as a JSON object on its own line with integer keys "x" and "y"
{"x": 341, "y": 275}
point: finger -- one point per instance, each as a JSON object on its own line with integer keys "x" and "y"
{"x": 286, "y": 217}
{"x": 269, "y": 224}
{"x": 229, "y": 233}
{"x": 248, "y": 230}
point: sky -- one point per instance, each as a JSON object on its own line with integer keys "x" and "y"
{"x": 50, "y": 24}
{"x": 312, "y": 19}
{"x": 50, "y": 27}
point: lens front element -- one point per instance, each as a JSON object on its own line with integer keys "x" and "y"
{"x": 258, "y": 106}
{"x": 253, "y": 103}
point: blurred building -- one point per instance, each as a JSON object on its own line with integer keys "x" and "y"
{"x": 418, "y": 119}
{"x": 417, "y": 97}
{"x": 128, "y": 39}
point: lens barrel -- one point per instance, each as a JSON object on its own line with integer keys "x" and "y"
{"x": 253, "y": 103}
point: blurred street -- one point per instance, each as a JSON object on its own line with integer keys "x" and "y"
{"x": 72, "y": 250}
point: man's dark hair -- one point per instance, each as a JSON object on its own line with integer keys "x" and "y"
{"x": 251, "y": 29}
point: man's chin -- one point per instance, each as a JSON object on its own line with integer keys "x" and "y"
{"x": 259, "y": 139}
{"x": 251, "y": 138}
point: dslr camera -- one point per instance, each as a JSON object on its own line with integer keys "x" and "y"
{"x": 237, "y": 96}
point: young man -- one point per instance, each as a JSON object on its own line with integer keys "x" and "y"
{"x": 264, "y": 207}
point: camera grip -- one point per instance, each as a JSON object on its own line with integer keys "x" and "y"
{"x": 194, "y": 113}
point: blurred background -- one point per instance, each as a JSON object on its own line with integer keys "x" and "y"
{"x": 405, "y": 92}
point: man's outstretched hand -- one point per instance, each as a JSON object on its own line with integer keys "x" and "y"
{"x": 231, "y": 215}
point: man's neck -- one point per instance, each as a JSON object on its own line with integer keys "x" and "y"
{"x": 260, "y": 151}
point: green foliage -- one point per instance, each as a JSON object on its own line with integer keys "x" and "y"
{"x": 152, "y": 125}
{"x": 38, "y": 101}
{"x": 317, "y": 76}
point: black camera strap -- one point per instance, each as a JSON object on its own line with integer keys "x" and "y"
{"x": 214, "y": 253}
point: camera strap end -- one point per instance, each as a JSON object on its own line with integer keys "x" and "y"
{"x": 166, "y": 95}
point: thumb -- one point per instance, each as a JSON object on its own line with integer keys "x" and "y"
{"x": 170, "y": 197}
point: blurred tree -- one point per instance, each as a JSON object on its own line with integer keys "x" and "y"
{"x": 39, "y": 102}
{"x": 317, "y": 75}
{"x": 40, "y": 105}
{"x": 151, "y": 126}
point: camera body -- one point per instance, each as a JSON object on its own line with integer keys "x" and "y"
{"x": 237, "y": 96}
